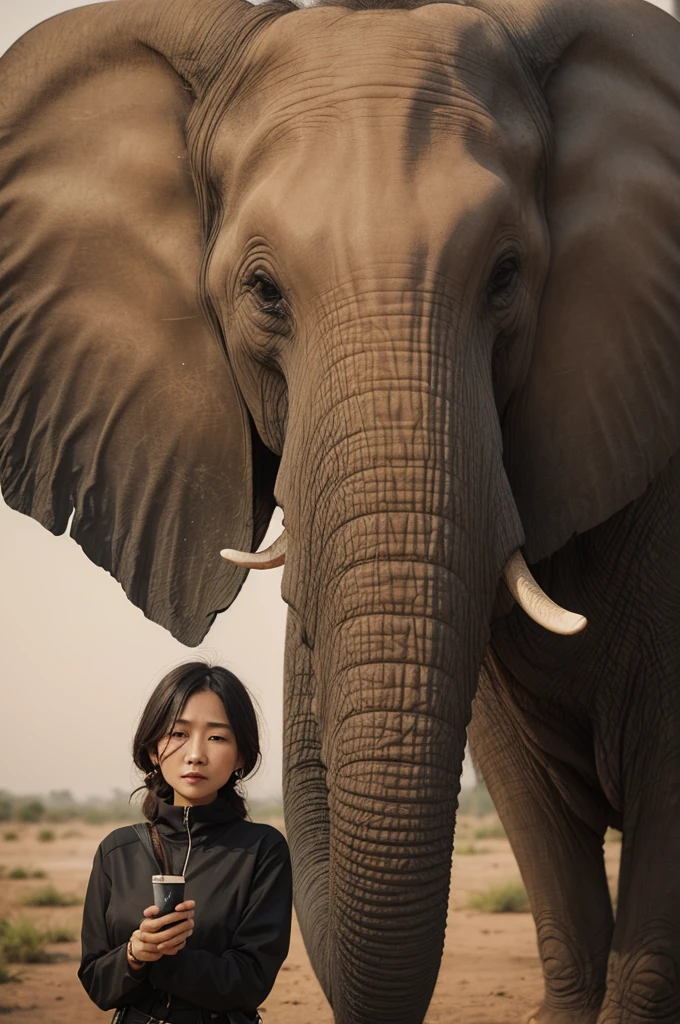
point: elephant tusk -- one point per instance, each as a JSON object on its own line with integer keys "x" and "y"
{"x": 270, "y": 558}
{"x": 535, "y": 603}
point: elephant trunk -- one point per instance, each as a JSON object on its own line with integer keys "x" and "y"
{"x": 409, "y": 536}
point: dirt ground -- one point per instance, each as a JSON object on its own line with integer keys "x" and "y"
{"x": 489, "y": 975}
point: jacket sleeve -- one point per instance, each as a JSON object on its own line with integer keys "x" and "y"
{"x": 242, "y": 977}
{"x": 105, "y": 973}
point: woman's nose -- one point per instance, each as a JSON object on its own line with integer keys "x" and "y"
{"x": 195, "y": 754}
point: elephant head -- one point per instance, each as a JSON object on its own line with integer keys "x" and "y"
{"x": 408, "y": 272}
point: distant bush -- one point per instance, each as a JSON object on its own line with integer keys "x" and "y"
{"x": 613, "y": 835}
{"x": 48, "y": 896}
{"x": 18, "y": 873}
{"x": 465, "y": 851}
{"x": 501, "y": 899}
{"x": 31, "y": 810}
{"x": 71, "y": 833}
{"x": 45, "y": 835}
{"x": 60, "y": 934}
{"x": 22, "y": 943}
{"x": 10, "y": 837}
{"x": 494, "y": 830}
{"x": 476, "y": 802}
{"x": 60, "y": 806}
{"x": 6, "y": 975}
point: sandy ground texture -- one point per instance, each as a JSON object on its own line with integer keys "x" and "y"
{"x": 490, "y": 973}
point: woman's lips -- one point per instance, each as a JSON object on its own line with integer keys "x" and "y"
{"x": 194, "y": 778}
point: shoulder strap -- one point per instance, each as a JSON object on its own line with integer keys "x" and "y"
{"x": 143, "y": 830}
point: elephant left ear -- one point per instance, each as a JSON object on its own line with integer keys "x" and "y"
{"x": 599, "y": 414}
{"x": 119, "y": 411}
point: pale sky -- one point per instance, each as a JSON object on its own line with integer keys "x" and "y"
{"x": 77, "y": 660}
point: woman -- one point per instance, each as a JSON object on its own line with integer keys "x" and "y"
{"x": 215, "y": 958}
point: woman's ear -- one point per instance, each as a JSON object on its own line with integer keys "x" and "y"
{"x": 599, "y": 415}
{"x": 118, "y": 406}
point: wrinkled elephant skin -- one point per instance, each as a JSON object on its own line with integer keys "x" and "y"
{"x": 412, "y": 274}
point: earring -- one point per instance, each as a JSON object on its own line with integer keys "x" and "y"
{"x": 239, "y": 774}
{"x": 149, "y": 775}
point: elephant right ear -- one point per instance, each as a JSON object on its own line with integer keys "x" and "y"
{"x": 117, "y": 402}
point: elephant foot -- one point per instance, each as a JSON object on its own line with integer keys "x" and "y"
{"x": 542, "y": 1015}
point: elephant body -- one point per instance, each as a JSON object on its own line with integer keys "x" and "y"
{"x": 410, "y": 272}
{"x": 587, "y": 738}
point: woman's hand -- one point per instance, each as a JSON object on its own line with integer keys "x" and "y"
{"x": 148, "y": 943}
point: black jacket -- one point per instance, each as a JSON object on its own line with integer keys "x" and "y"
{"x": 239, "y": 875}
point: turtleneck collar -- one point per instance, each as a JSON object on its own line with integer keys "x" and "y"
{"x": 203, "y": 819}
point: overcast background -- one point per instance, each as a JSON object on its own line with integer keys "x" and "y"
{"x": 78, "y": 661}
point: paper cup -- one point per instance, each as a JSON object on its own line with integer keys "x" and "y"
{"x": 168, "y": 891}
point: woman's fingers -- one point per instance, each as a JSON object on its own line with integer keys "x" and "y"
{"x": 171, "y": 950}
{"x": 180, "y": 933}
{"x": 187, "y": 905}
{"x": 151, "y": 911}
{"x": 155, "y": 924}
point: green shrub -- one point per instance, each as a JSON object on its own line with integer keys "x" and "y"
{"x": 9, "y": 837}
{"x": 31, "y": 810}
{"x": 476, "y": 801}
{"x": 465, "y": 851}
{"x": 45, "y": 835}
{"x": 6, "y": 976}
{"x": 5, "y": 808}
{"x": 494, "y": 830}
{"x": 18, "y": 873}
{"x": 48, "y": 896}
{"x": 510, "y": 898}
{"x": 21, "y": 942}
{"x": 60, "y": 934}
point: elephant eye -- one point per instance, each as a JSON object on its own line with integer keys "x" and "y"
{"x": 267, "y": 295}
{"x": 503, "y": 281}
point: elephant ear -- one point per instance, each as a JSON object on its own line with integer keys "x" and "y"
{"x": 117, "y": 402}
{"x": 599, "y": 414}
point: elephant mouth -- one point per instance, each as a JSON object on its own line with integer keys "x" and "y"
{"x": 519, "y": 580}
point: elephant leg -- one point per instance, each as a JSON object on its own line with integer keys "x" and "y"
{"x": 559, "y": 852}
{"x": 643, "y": 983}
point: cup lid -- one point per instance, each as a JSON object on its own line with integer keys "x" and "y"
{"x": 167, "y": 878}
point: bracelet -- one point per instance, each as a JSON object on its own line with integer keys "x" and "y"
{"x": 131, "y": 956}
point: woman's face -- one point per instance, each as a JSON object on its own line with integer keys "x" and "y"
{"x": 200, "y": 754}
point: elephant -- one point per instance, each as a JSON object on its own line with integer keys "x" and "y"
{"x": 410, "y": 272}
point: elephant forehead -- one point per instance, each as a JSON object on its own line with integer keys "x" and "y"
{"x": 430, "y": 75}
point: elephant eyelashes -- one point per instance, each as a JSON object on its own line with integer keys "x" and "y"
{"x": 267, "y": 295}
{"x": 503, "y": 282}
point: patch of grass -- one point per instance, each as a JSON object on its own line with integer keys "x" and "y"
{"x": 10, "y": 837}
{"x": 467, "y": 850}
{"x": 45, "y": 835}
{"x": 21, "y": 942}
{"x": 48, "y": 896}
{"x": 510, "y": 898}
{"x": 494, "y": 830}
{"x": 20, "y": 873}
{"x": 60, "y": 934}
{"x": 71, "y": 833}
{"x": 6, "y": 976}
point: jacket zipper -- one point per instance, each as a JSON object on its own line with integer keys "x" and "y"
{"x": 187, "y": 826}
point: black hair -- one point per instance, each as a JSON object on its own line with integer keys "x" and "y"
{"x": 164, "y": 707}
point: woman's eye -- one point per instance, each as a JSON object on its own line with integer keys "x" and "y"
{"x": 177, "y": 735}
{"x": 222, "y": 739}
